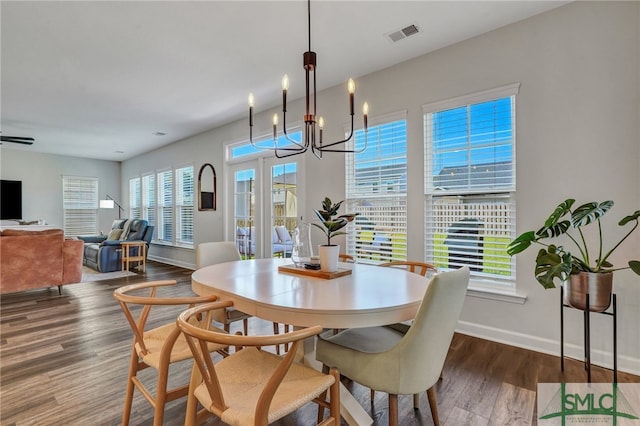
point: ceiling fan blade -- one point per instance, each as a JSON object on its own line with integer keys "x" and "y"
{"x": 17, "y": 139}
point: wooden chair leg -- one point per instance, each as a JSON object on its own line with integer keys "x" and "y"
{"x": 373, "y": 394}
{"x": 286, "y": 330}
{"x": 325, "y": 370}
{"x": 128, "y": 399}
{"x": 416, "y": 401}
{"x": 276, "y": 330}
{"x": 161, "y": 395}
{"x": 245, "y": 323}
{"x": 59, "y": 290}
{"x": 393, "y": 409}
{"x": 335, "y": 396}
{"x": 431, "y": 395}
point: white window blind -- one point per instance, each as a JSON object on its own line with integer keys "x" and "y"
{"x": 149, "y": 199}
{"x": 134, "y": 199}
{"x": 184, "y": 205}
{"x": 470, "y": 183}
{"x": 377, "y": 189}
{"x": 80, "y": 204}
{"x": 165, "y": 206}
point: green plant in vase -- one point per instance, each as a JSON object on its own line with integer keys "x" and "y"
{"x": 585, "y": 264}
{"x": 331, "y": 225}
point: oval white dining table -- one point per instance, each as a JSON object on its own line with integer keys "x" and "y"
{"x": 369, "y": 296}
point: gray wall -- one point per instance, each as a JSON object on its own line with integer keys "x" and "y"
{"x": 578, "y": 135}
{"x": 41, "y": 176}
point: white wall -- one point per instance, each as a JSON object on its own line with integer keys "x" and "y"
{"x": 577, "y": 136}
{"x": 41, "y": 176}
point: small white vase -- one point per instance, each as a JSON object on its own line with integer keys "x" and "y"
{"x": 328, "y": 257}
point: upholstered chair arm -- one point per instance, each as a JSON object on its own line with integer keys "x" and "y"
{"x": 92, "y": 238}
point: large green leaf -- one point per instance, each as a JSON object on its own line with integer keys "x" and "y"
{"x": 589, "y": 212}
{"x": 521, "y": 243}
{"x": 629, "y": 218}
{"x": 562, "y": 209}
{"x": 553, "y": 230}
{"x": 552, "y": 263}
{"x": 635, "y": 266}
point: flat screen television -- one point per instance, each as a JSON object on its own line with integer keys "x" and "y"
{"x": 10, "y": 199}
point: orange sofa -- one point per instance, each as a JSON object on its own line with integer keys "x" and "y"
{"x": 32, "y": 259}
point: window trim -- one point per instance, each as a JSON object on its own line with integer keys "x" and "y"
{"x": 351, "y": 243}
{"x": 490, "y": 287}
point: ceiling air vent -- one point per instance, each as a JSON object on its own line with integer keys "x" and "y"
{"x": 407, "y": 31}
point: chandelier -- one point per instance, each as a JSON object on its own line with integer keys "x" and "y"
{"x": 313, "y": 128}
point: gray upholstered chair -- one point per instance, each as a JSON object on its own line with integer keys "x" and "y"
{"x": 104, "y": 254}
{"x": 402, "y": 362}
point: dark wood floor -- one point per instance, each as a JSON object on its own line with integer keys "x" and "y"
{"x": 64, "y": 361}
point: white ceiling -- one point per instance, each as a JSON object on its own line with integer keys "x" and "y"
{"x": 98, "y": 79}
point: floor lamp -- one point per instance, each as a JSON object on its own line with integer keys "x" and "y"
{"x": 110, "y": 203}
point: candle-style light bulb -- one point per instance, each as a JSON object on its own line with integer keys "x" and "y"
{"x": 275, "y": 127}
{"x": 285, "y": 82}
{"x": 351, "y": 86}
{"x": 321, "y": 123}
{"x": 252, "y": 100}
{"x": 365, "y": 112}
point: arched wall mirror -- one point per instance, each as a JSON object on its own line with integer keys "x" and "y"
{"x": 207, "y": 187}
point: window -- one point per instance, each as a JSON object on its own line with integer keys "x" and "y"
{"x": 149, "y": 198}
{"x": 165, "y": 199}
{"x": 184, "y": 205}
{"x": 80, "y": 204}
{"x": 134, "y": 199}
{"x": 470, "y": 183}
{"x": 377, "y": 190}
{"x": 244, "y": 150}
{"x": 165, "y": 206}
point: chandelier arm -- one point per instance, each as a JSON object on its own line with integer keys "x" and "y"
{"x": 286, "y": 135}
{"x": 324, "y": 147}
{"x": 297, "y": 151}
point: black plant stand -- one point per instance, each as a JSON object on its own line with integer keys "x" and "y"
{"x": 587, "y": 335}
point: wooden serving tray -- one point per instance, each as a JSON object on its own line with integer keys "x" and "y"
{"x": 291, "y": 269}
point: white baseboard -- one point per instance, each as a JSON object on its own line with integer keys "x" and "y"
{"x": 548, "y": 346}
{"x": 172, "y": 262}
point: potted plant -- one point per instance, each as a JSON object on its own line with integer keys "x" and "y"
{"x": 331, "y": 227}
{"x": 585, "y": 270}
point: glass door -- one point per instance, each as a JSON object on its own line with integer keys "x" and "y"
{"x": 266, "y": 196}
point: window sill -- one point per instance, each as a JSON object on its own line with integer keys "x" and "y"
{"x": 502, "y": 295}
{"x": 167, "y": 244}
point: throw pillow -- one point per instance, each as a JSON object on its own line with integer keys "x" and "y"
{"x": 283, "y": 234}
{"x": 114, "y": 234}
{"x": 125, "y": 230}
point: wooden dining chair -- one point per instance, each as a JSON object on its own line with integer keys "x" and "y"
{"x": 343, "y": 257}
{"x": 157, "y": 348}
{"x": 252, "y": 386}
{"x": 216, "y": 252}
{"x": 399, "y": 363}
{"x": 219, "y": 252}
{"x": 421, "y": 268}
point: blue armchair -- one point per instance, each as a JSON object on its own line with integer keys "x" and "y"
{"x": 105, "y": 255}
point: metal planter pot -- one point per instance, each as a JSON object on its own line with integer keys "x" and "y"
{"x": 599, "y": 287}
